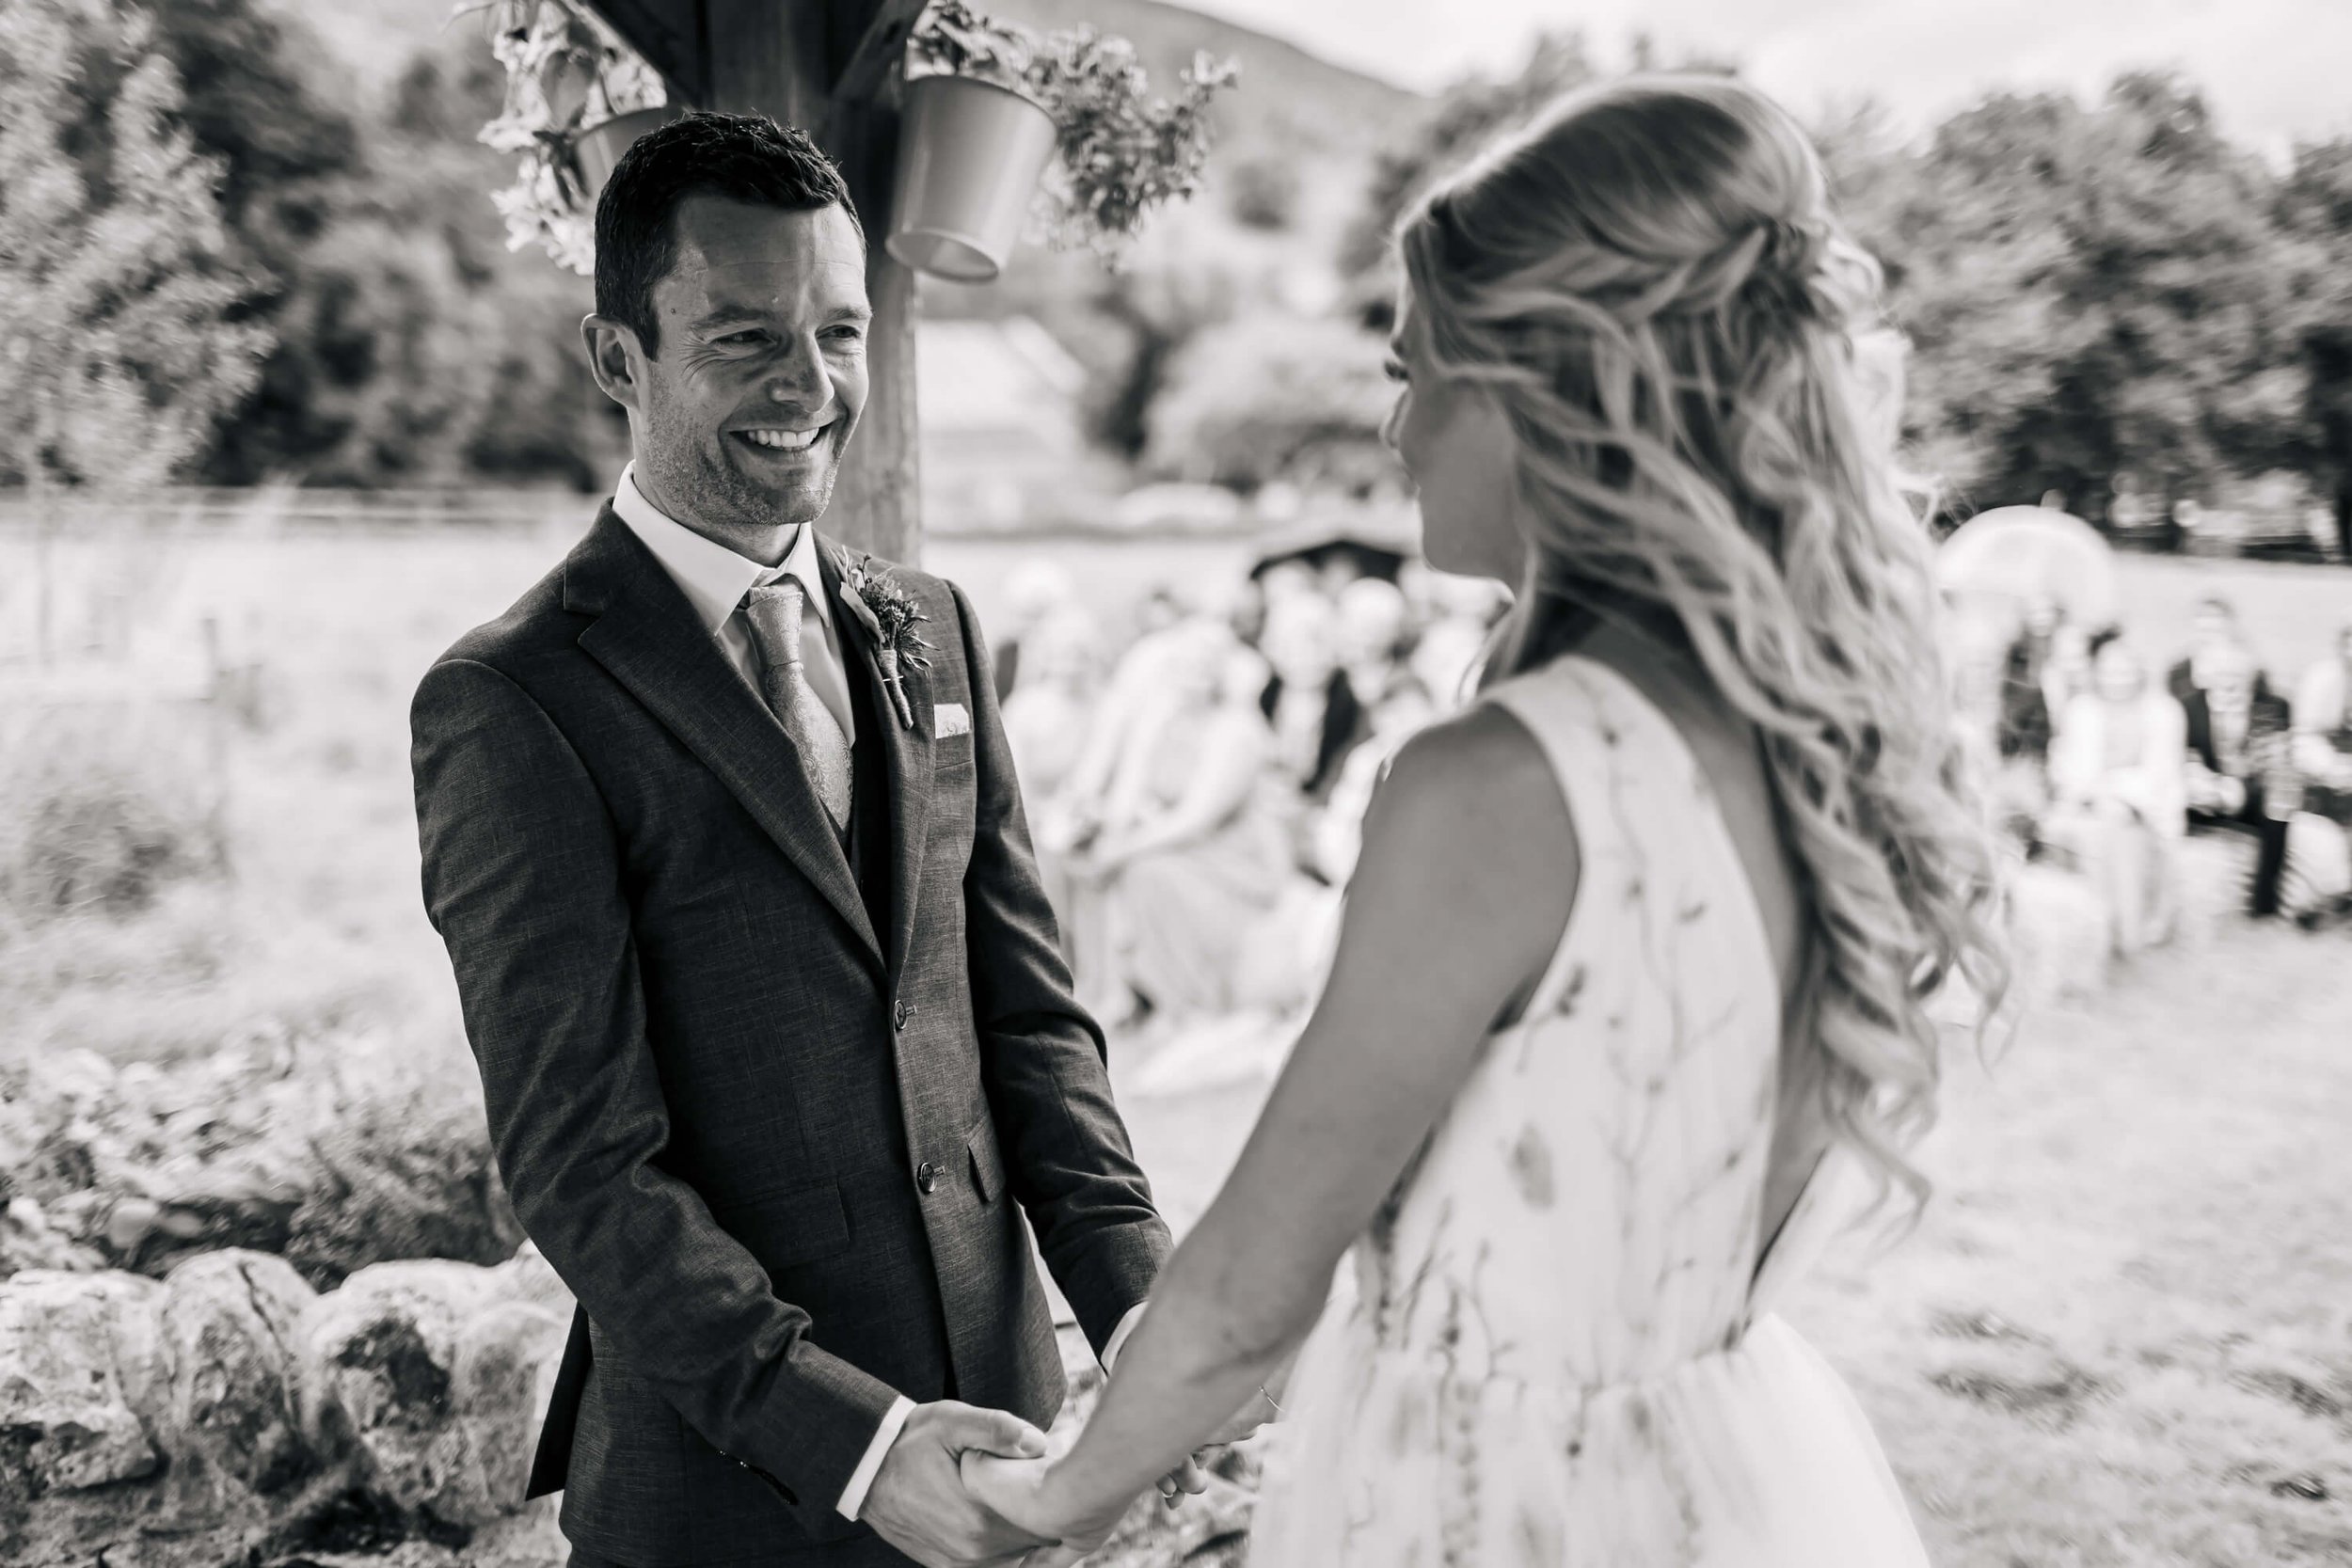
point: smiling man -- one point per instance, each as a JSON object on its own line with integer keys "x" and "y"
{"x": 780, "y": 1057}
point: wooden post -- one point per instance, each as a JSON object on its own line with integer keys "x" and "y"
{"x": 781, "y": 58}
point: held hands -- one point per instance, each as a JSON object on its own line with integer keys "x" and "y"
{"x": 1021, "y": 1491}
{"x": 1024, "y": 1492}
{"x": 918, "y": 1503}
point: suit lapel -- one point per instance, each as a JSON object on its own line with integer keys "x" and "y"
{"x": 906, "y": 756}
{"x": 647, "y": 636}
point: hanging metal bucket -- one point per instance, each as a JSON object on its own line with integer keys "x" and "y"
{"x": 970, "y": 153}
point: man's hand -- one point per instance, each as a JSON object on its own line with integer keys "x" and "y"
{"x": 918, "y": 1503}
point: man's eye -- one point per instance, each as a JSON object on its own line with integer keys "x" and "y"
{"x": 749, "y": 335}
{"x": 846, "y": 334}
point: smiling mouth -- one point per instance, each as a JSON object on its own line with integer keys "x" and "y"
{"x": 777, "y": 439}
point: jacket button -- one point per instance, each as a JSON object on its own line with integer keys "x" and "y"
{"x": 926, "y": 1176}
{"x": 899, "y": 1014}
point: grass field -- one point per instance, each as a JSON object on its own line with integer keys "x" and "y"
{"x": 2123, "y": 1334}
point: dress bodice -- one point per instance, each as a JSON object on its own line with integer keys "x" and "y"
{"x": 1626, "y": 1120}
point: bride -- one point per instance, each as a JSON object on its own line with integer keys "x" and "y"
{"x": 1631, "y": 993}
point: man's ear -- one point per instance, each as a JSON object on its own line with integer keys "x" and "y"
{"x": 614, "y": 357}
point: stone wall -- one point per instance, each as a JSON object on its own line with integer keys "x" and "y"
{"x": 229, "y": 1414}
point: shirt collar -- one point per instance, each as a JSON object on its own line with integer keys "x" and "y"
{"x": 714, "y": 577}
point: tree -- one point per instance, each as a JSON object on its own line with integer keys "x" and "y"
{"x": 412, "y": 346}
{"x": 1471, "y": 113}
{"x": 2089, "y": 293}
{"x": 2315, "y": 206}
{"x": 1270, "y": 397}
{"x": 114, "y": 278}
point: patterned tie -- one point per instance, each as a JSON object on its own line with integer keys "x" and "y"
{"x": 774, "y": 613}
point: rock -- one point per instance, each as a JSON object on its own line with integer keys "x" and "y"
{"x": 379, "y": 1357}
{"x": 507, "y": 1355}
{"x": 230, "y": 1325}
{"x": 79, "y": 1077}
{"x": 1211, "y": 1530}
{"x": 529, "y": 1277}
{"x": 32, "y": 1238}
{"x": 76, "y": 1366}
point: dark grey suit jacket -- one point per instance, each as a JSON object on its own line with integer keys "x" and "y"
{"x": 777, "y": 1130}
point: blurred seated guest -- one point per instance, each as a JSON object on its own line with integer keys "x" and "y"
{"x": 1373, "y": 619}
{"x": 2066, "y": 671}
{"x": 1337, "y": 833}
{"x": 1191, "y": 852}
{"x": 1451, "y": 644}
{"x": 1246, "y": 611}
{"x": 1127, "y": 704}
{"x": 2320, "y": 848}
{"x": 1446, "y": 657}
{"x": 1290, "y": 577}
{"x": 1049, "y": 722}
{"x": 2025, "y": 720}
{"x": 2237, "y": 739}
{"x": 1049, "y": 717}
{"x": 2214, "y": 633}
{"x": 1316, "y": 718}
{"x": 2119, "y": 786}
{"x": 1033, "y": 591}
{"x": 1161, "y": 610}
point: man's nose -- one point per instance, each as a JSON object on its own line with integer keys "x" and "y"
{"x": 799, "y": 376}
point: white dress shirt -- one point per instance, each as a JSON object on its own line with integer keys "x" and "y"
{"x": 714, "y": 579}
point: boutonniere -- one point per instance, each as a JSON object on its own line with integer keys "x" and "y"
{"x": 881, "y": 604}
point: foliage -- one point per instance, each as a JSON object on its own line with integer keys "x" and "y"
{"x": 1470, "y": 115}
{"x": 1264, "y": 194}
{"x": 411, "y": 347}
{"x": 2090, "y": 292}
{"x": 115, "y": 273}
{"x": 1120, "y": 154}
{"x": 566, "y": 71}
{"x": 2315, "y": 207}
{"x": 102, "y": 812}
{"x": 1268, "y": 398}
{"x": 267, "y": 1146}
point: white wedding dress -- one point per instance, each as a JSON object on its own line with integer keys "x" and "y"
{"x": 1561, "y": 1350}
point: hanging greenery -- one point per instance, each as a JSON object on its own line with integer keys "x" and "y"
{"x": 565, "y": 73}
{"x": 1119, "y": 153}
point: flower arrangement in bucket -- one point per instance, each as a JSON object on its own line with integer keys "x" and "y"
{"x": 1006, "y": 128}
{"x": 576, "y": 97}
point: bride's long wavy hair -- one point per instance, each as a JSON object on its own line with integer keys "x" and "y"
{"x": 1653, "y": 287}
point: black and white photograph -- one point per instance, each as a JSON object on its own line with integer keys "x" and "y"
{"x": 1241, "y": 784}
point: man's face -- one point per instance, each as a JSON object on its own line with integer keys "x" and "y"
{"x": 742, "y": 418}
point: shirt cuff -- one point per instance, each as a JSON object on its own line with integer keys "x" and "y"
{"x": 1118, "y": 1341}
{"x": 862, "y": 1478}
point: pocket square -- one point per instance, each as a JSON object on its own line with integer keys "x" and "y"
{"x": 950, "y": 718}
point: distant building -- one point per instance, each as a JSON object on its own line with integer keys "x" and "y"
{"x": 1003, "y": 437}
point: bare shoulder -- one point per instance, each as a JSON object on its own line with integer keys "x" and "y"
{"x": 1479, "y": 777}
{"x": 1470, "y": 838}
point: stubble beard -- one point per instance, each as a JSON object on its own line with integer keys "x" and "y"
{"x": 715, "y": 494}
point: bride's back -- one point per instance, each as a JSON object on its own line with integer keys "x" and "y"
{"x": 1588, "y": 1212}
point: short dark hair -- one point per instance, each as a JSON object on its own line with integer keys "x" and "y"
{"x": 741, "y": 157}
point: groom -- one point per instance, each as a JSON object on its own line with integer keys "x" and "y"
{"x": 774, "y": 1038}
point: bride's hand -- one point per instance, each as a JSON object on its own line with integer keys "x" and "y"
{"x": 1018, "y": 1491}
